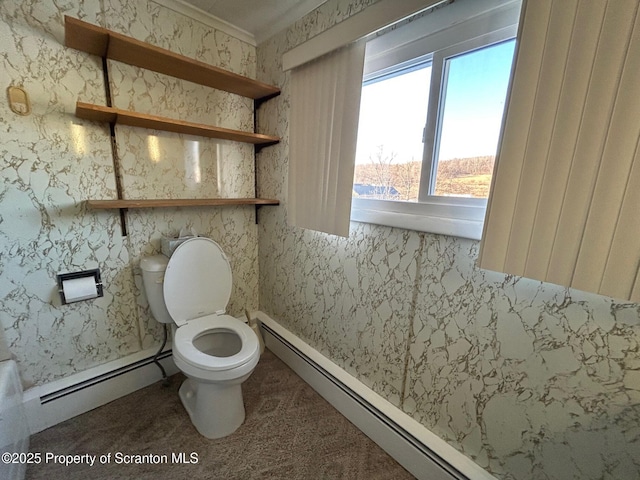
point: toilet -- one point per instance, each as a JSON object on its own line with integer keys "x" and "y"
{"x": 215, "y": 351}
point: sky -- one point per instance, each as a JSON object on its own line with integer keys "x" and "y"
{"x": 393, "y": 112}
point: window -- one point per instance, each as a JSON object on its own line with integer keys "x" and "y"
{"x": 473, "y": 93}
{"x": 393, "y": 110}
{"x": 430, "y": 117}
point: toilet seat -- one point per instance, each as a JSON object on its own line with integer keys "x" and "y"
{"x": 184, "y": 348}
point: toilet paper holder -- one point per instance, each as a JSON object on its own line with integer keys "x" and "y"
{"x": 94, "y": 273}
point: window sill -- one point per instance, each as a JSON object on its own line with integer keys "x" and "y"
{"x": 457, "y": 217}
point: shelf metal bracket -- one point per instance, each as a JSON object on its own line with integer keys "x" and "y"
{"x": 114, "y": 146}
{"x": 257, "y": 103}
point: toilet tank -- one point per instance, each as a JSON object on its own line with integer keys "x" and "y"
{"x": 153, "y": 269}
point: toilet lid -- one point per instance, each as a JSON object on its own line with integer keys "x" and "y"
{"x": 197, "y": 281}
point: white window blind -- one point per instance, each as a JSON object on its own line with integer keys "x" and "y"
{"x": 325, "y": 105}
{"x": 565, "y": 200}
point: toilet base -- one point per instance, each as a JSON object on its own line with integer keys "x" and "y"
{"x": 215, "y": 409}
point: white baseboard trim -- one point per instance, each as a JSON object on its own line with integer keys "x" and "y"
{"x": 417, "y": 449}
{"x": 53, "y": 403}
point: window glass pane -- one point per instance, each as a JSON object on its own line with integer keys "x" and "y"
{"x": 393, "y": 111}
{"x": 474, "y": 92}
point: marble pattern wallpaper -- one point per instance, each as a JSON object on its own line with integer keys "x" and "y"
{"x": 530, "y": 380}
{"x": 53, "y": 161}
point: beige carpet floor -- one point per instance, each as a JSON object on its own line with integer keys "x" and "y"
{"x": 290, "y": 432}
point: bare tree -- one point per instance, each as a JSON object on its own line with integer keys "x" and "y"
{"x": 407, "y": 179}
{"x": 381, "y": 171}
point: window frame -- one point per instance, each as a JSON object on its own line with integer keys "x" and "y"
{"x": 435, "y": 110}
{"x": 447, "y": 215}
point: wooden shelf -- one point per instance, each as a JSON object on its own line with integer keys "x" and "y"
{"x": 105, "y": 43}
{"x": 191, "y": 202}
{"x": 124, "y": 117}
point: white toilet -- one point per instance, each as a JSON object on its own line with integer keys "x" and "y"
{"x": 215, "y": 351}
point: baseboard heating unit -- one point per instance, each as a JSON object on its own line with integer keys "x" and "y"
{"x": 421, "y": 452}
{"x": 55, "y": 402}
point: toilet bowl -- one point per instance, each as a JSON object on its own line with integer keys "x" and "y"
{"x": 215, "y": 351}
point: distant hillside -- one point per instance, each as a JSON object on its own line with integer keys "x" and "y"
{"x": 459, "y": 176}
{"x": 465, "y": 176}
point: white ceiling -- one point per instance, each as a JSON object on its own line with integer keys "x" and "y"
{"x": 260, "y": 18}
